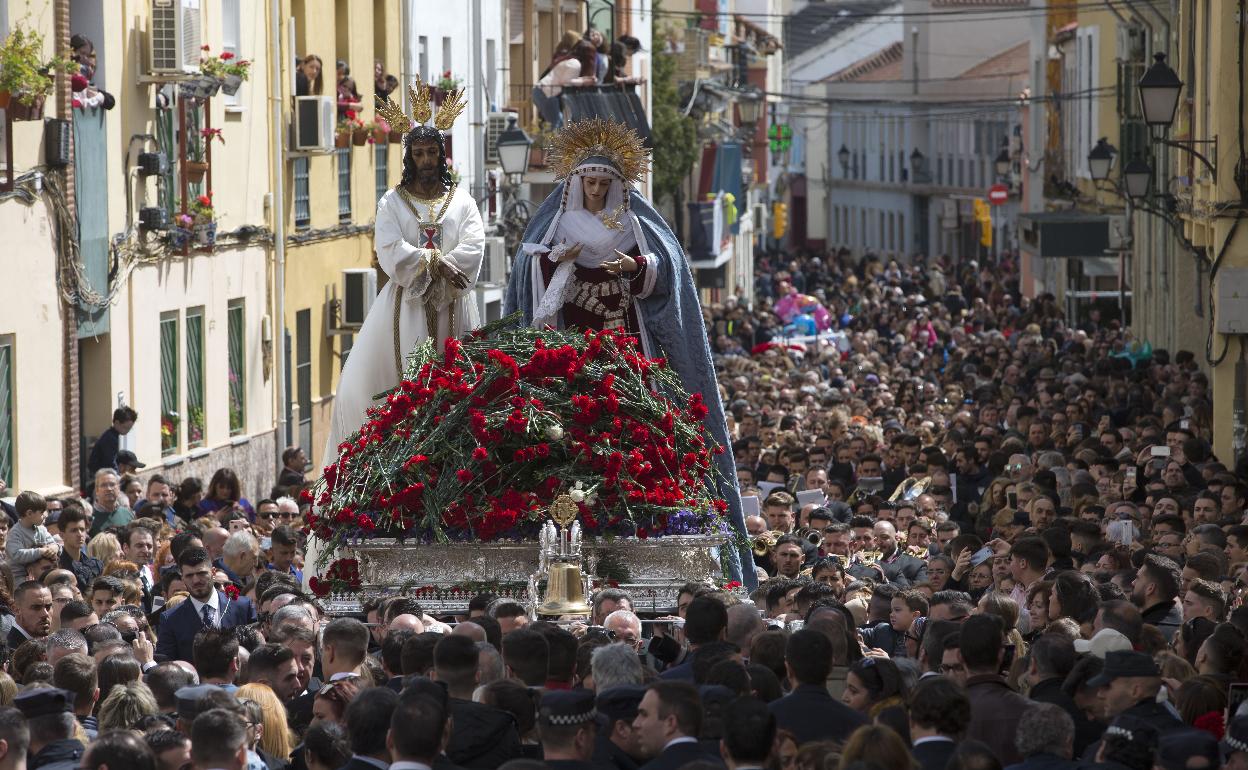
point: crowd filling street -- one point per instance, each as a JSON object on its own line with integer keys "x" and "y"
{"x": 986, "y": 535}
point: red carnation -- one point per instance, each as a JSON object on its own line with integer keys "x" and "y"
{"x": 464, "y": 475}
{"x": 226, "y": 56}
{"x": 231, "y": 591}
{"x": 480, "y": 453}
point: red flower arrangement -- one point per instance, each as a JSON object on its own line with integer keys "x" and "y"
{"x": 231, "y": 591}
{"x": 343, "y": 575}
{"x": 475, "y": 443}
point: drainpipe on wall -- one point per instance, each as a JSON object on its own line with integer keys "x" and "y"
{"x": 277, "y": 150}
{"x": 72, "y": 425}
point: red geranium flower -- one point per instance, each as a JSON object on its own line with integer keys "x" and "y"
{"x": 231, "y": 591}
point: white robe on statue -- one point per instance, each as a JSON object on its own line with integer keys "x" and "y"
{"x": 398, "y": 235}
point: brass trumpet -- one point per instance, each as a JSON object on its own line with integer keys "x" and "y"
{"x": 765, "y": 542}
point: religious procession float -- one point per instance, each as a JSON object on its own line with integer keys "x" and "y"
{"x": 456, "y": 482}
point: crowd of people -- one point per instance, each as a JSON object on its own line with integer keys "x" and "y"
{"x": 986, "y": 536}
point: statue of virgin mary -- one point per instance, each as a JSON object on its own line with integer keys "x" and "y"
{"x": 597, "y": 255}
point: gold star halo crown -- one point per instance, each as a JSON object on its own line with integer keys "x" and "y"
{"x": 620, "y": 145}
{"x": 422, "y": 109}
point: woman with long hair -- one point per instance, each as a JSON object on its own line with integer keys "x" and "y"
{"x": 872, "y": 685}
{"x": 126, "y": 705}
{"x": 225, "y": 493}
{"x": 105, "y": 547}
{"x": 275, "y": 739}
{"x": 308, "y": 80}
{"x": 190, "y": 491}
{"x": 1074, "y": 596}
{"x": 876, "y": 746}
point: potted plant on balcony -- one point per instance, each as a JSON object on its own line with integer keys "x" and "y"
{"x": 446, "y": 83}
{"x": 205, "y": 221}
{"x": 197, "y": 153}
{"x": 25, "y": 79}
{"x": 347, "y": 126}
{"x": 182, "y": 232}
{"x": 381, "y": 131}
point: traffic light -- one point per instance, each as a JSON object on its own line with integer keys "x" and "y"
{"x": 779, "y": 220}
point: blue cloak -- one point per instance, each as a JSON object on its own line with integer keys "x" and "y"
{"x": 672, "y": 316}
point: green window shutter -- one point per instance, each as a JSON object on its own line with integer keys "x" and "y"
{"x": 6, "y": 413}
{"x": 238, "y": 388}
{"x": 170, "y": 420}
{"x": 195, "y": 422}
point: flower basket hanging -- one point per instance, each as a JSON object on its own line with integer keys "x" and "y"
{"x": 342, "y": 139}
{"x": 32, "y": 110}
{"x": 231, "y": 83}
{"x": 396, "y": 136}
{"x": 195, "y": 171}
{"x": 360, "y": 136}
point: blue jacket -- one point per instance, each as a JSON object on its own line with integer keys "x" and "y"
{"x": 179, "y": 626}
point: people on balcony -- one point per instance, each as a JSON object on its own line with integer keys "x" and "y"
{"x": 618, "y": 69}
{"x": 308, "y": 76}
{"x": 384, "y": 84}
{"x": 601, "y": 54}
{"x": 349, "y": 99}
{"x": 86, "y": 93}
{"x": 567, "y": 71}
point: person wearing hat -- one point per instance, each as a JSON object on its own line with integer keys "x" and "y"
{"x": 1235, "y": 744}
{"x": 1129, "y": 684}
{"x": 1190, "y": 749}
{"x": 128, "y": 463}
{"x": 567, "y": 723}
{"x": 616, "y": 745}
{"x": 49, "y": 713}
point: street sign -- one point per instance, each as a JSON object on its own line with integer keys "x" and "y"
{"x": 998, "y": 194}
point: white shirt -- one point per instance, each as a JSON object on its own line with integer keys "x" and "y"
{"x": 406, "y": 765}
{"x": 212, "y": 602}
{"x": 682, "y": 739}
{"x": 932, "y": 739}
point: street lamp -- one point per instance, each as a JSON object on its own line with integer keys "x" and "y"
{"x": 750, "y": 108}
{"x": 1136, "y": 176}
{"x": 1159, "y": 93}
{"x": 1002, "y": 162}
{"x": 843, "y": 156}
{"x": 918, "y": 163}
{"x": 1101, "y": 160}
{"x": 513, "y": 149}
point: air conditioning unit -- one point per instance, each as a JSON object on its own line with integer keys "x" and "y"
{"x": 359, "y": 289}
{"x": 314, "y": 124}
{"x": 174, "y": 34}
{"x": 494, "y": 263}
{"x": 495, "y": 124}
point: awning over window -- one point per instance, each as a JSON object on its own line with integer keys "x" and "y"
{"x": 609, "y": 102}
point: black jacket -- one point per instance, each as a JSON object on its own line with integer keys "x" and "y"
{"x": 482, "y": 737}
{"x": 811, "y": 714}
{"x": 608, "y": 755}
{"x": 85, "y": 570}
{"x": 58, "y": 755}
{"x": 1167, "y": 616}
{"x": 676, "y": 757}
{"x": 1087, "y": 731}
{"x": 1149, "y": 711}
{"x": 933, "y": 755}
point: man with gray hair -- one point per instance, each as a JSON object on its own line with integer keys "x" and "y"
{"x": 614, "y": 665}
{"x": 744, "y": 623}
{"x": 65, "y": 642}
{"x": 108, "y": 509}
{"x": 607, "y": 601}
{"x": 490, "y": 666}
{"x": 1045, "y": 736}
{"x": 293, "y": 615}
{"x": 624, "y": 626}
{"x": 239, "y": 556}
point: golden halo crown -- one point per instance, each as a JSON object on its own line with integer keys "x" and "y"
{"x": 620, "y": 145}
{"x": 422, "y": 109}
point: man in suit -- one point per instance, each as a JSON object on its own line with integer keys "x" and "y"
{"x": 206, "y": 607}
{"x": 808, "y": 711}
{"x": 218, "y": 740}
{"x": 567, "y": 723}
{"x": 669, "y": 720}
{"x": 706, "y": 620}
{"x": 369, "y": 719}
{"x": 898, "y": 566}
{"x": 33, "y": 618}
{"x": 617, "y": 741}
{"x": 139, "y": 546}
{"x": 939, "y": 714}
{"x": 749, "y": 732}
{"x": 418, "y": 731}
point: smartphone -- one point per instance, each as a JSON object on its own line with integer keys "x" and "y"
{"x": 266, "y": 543}
{"x": 1237, "y": 695}
{"x": 1184, "y": 424}
{"x": 1011, "y": 499}
{"x": 1161, "y": 451}
{"x": 1131, "y": 475}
